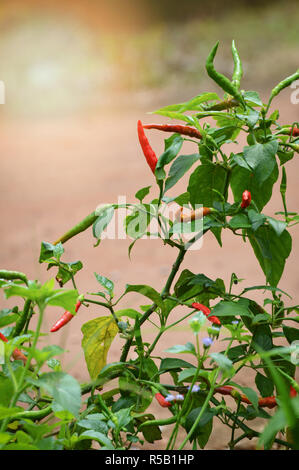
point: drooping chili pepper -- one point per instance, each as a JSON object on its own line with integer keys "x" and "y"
{"x": 22, "y": 320}
{"x": 246, "y": 199}
{"x": 162, "y": 401}
{"x": 220, "y": 79}
{"x": 12, "y": 275}
{"x": 148, "y": 152}
{"x": 283, "y": 84}
{"x": 80, "y": 227}
{"x": 16, "y": 354}
{"x": 295, "y": 132}
{"x": 193, "y": 215}
{"x": 265, "y": 402}
{"x": 206, "y": 311}
{"x": 179, "y": 129}
{"x": 66, "y": 318}
{"x": 238, "y": 69}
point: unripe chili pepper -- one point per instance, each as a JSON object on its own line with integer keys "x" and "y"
{"x": 16, "y": 354}
{"x": 220, "y": 79}
{"x": 146, "y": 148}
{"x": 246, "y": 199}
{"x": 238, "y": 70}
{"x": 193, "y": 215}
{"x": 283, "y": 84}
{"x": 11, "y": 275}
{"x": 179, "y": 129}
{"x": 206, "y": 311}
{"x": 162, "y": 401}
{"x": 80, "y": 227}
{"x": 66, "y": 318}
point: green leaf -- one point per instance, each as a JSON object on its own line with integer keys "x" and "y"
{"x": 291, "y": 334}
{"x": 68, "y": 270}
{"x": 7, "y": 317}
{"x": 204, "y": 427}
{"x": 173, "y": 146}
{"x": 239, "y": 221}
{"x": 187, "y": 348}
{"x": 256, "y": 219}
{"x": 140, "y": 195}
{"x": 278, "y": 225}
{"x": 98, "y": 335}
{"x": 264, "y": 384}
{"x": 276, "y": 423}
{"x": 242, "y": 179}
{"x": 204, "y": 180}
{"x": 180, "y": 166}
{"x": 147, "y": 291}
{"x": 252, "y": 98}
{"x": 64, "y": 389}
{"x": 105, "y": 282}
{"x": 271, "y": 251}
{"x": 44, "y": 294}
{"x": 48, "y": 251}
{"x": 173, "y": 363}
{"x": 226, "y": 308}
{"x": 191, "y": 105}
{"x": 95, "y": 422}
{"x": 97, "y": 436}
{"x": 222, "y": 361}
{"x": 261, "y": 160}
{"x": 262, "y": 338}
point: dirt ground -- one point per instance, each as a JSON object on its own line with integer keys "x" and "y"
{"x": 53, "y": 172}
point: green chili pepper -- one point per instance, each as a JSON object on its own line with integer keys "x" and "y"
{"x": 158, "y": 422}
{"x": 283, "y": 84}
{"x": 83, "y": 225}
{"x": 220, "y": 79}
{"x": 11, "y": 275}
{"x": 238, "y": 69}
{"x": 22, "y": 320}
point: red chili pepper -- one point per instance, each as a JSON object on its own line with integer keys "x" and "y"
{"x": 185, "y": 130}
{"x": 206, "y": 311}
{"x": 224, "y": 390}
{"x": 265, "y": 402}
{"x": 146, "y": 148}
{"x": 246, "y": 199}
{"x": 16, "y": 354}
{"x": 161, "y": 400}
{"x": 295, "y": 132}
{"x": 66, "y": 317}
{"x": 293, "y": 392}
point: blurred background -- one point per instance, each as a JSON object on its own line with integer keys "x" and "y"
{"x": 78, "y": 75}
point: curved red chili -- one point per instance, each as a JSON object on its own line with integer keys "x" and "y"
{"x": 179, "y": 129}
{"x": 66, "y": 318}
{"x": 206, "y": 311}
{"x": 162, "y": 401}
{"x": 246, "y": 199}
{"x": 146, "y": 148}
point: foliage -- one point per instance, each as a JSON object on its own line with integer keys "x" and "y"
{"x": 31, "y": 396}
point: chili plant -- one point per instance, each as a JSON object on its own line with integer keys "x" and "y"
{"x": 225, "y": 191}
